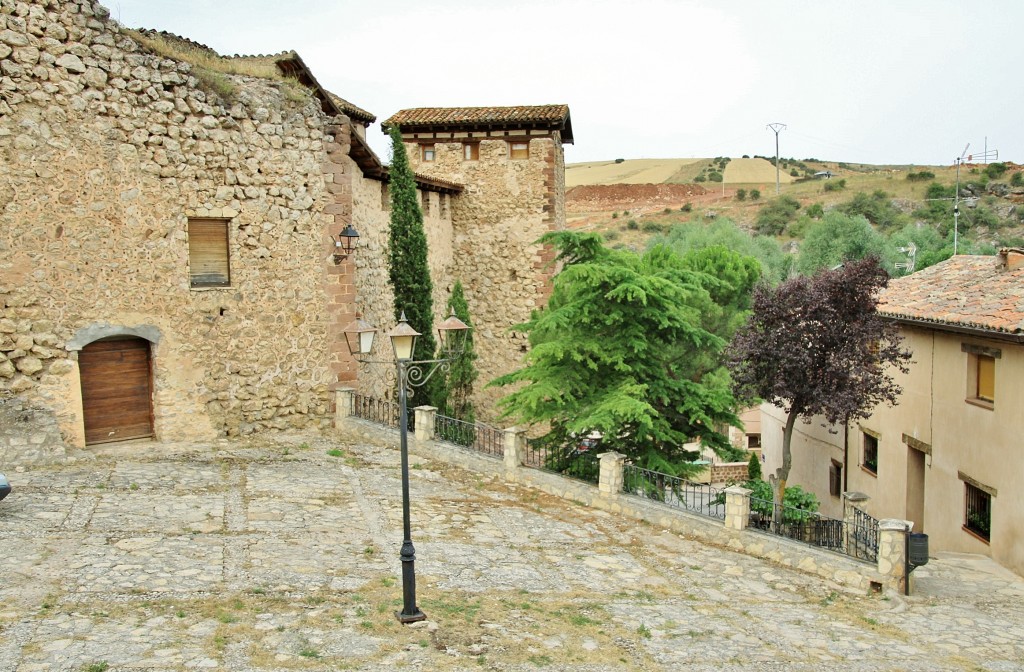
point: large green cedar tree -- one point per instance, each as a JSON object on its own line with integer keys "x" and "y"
{"x": 622, "y": 348}
{"x": 407, "y": 262}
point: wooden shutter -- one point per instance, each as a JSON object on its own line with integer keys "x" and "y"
{"x": 117, "y": 396}
{"x": 519, "y": 150}
{"x": 208, "y": 253}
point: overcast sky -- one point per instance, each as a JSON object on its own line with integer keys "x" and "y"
{"x": 888, "y": 81}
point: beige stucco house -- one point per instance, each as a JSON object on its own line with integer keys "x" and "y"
{"x": 167, "y": 227}
{"x": 947, "y": 456}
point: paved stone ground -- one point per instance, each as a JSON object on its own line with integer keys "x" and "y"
{"x": 272, "y": 554}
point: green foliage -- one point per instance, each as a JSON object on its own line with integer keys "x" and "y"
{"x": 1017, "y": 179}
{"x": 621, "y": 349}
{"x": 755, "y": 194}
{"x": 775, "y": 215}
{"x": 685, "y": 237}
{"x": 687, "y": 207}
{"x": 835, "y": 185}
{"x": 836, "y": 239}
{"x": 815, "y": 210}
{"x": 407, "y": 260}
{"x": 619, "y": 160}
{"x": 611, "y": 235}
{"x": 700, "y": 178}
{"x": 920, "y": 176}
{"x": 462, "y": 374}
{"x": 632, "y": 225}
{"x": 995, "y": 170}
{"x": 653, "y": 227}
{"x": 877, "y": 208}
{"x": 794, "y": 173}
{"x": 714, "y": 176}
{"x": 615, "y": 215}
{"x": 753, "y": 468}
{"x": 931, "y": 247}
{"x": 741, "y": 194}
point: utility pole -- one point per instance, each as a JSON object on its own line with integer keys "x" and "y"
{"x": 956, "y": 199}
{"x": 776, "y": 126}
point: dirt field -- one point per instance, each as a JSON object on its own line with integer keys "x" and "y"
{"x": 631, "y": 171}
{"x": 748, "y": 171}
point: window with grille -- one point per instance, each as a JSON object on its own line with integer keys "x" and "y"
{"x": 519, "y": 150}
{"x": 208, "y": 260}
{"x": 870, "y": 461}
{"x": 977, "y": 511}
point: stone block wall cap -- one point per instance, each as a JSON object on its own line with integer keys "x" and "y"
{"x": 738, "y": 490}
{"x": 855, "y": 496}
{"x": 894, "y": 524}
{"x": 611, "y": 454}
{"x": 425, "y": 408}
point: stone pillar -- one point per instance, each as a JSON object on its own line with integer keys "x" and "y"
{"x": 425, "y": 422}
{"x": 737, "y": 507}
{"x": 515, "y": 444}
{"x": 892, "y": 550}
{"x": 609, "y": 482}
{"x": 343, "y": 400}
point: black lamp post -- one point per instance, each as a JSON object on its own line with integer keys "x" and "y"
{"x": 411, "y": 374}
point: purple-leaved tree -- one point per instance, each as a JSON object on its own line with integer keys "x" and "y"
{"x": 817, "y": 346}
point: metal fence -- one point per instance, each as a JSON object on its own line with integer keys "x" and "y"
{"x": 570, "y": 461}
{"x": 674, "y": 491}
{"x": 477, "y": 436}
{"x": 381, "y": 411}
{"x": 858, "y": 539}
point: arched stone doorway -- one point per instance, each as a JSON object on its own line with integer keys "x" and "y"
{"x": 117, "y": 389}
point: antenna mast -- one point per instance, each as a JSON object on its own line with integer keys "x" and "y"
{"x": 776, "y": 126}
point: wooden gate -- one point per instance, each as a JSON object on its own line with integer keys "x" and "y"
{"x": 117, "y": 392}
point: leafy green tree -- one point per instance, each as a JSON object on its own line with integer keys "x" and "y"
{"x": 462, "y": 374}
{"x": 836, "y": 239}
{"x": 877, "y": 208}
{"x": 407, "y": 260}
{"x": 697, "y": 235}
{"x": 621, "y": 349}
{"x": 775, "y": 215}
{"x": 753, "y": 468}
{"x": 817, "y": 346}
{"x": 931, "y": 248}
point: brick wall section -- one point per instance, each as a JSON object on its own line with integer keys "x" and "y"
{"x": 727, "y": 472}
{"x": 339, "y": 280}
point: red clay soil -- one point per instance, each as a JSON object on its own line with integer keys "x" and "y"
{"x": 592, "y": 197}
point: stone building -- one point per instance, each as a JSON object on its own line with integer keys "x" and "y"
{"x": 167, "y": 219}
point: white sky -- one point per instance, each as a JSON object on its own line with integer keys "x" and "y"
{"x": 873, "y": 81}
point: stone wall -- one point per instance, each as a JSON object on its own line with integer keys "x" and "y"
{"x": 27, "y": 435}
{"x": 506, "y": 206}
{"x": 108, "y": 150}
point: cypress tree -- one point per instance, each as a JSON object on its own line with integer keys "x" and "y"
{"x": 463, "y": 371}
{"x": 407, "y": 261}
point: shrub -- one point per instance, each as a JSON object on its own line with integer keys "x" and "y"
{"x": 619, "y": 160}
{"x": 615, "y": 215}
{"x": 876, "y": 208}
{"x": 746, "y": 156}
{"x": 775, "y": 215}
{"x": 715, "y": 176}
{"x": 920, "y": 176}
{"x": 632, "y": 225}
{"x": 995, "y": 170}
{"x": 794, "y": 173}
{"x": 753, "y": 468}
{"x": 653, "y": 227}
{"x": 835, "y": 185}
{"x": 741, "y": 194}
{"x": 667, "y": 210}
{"x": 755, "y": 194}
{"x": 687, "y": 207}
{"x": 815, "y": 210}
{"x": 611, "y": 235}
{"x": 1017, "y": 180}
{"x": 700, "y": 178}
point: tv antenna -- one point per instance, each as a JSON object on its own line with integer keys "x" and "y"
{"x": 971, "y": 158}
{"x": 911, "y": 251}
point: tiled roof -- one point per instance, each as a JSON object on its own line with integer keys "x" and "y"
{"x": 965, "y": 291}
{"x": 552, "y": 117}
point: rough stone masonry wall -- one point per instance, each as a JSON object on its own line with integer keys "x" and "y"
{"x": 107, "y": 150}
{"x": 506, "y": 206}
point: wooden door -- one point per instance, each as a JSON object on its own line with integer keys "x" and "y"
{"x": 117, "y": 393}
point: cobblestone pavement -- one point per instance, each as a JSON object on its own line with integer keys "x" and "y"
{"x": 281, "y": 553}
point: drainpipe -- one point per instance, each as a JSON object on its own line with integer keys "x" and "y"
{"x": 846, "y": 454}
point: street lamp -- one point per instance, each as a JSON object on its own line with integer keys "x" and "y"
{"x": 411, "y": 374}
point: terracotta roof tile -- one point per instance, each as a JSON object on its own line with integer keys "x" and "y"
{"x": 964, "y": 291}
{"x": 553, "y": 117}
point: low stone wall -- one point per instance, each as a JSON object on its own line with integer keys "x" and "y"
{"x": 28, "y": 435}
{"x": 832, "y": 566}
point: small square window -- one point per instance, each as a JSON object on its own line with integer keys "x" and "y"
{"x": 208, "y": 253}
{"x": 977, "y": 511}
{"x": 519, "y": 150}
{"x": 427, "y": 152}
{"x": 471, "y": 151}
{"x": 870, "y": 462}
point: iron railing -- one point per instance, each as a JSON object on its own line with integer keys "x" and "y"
{"x": 576, "y": 462}
{"x": 674, "y": 491}
{"x": 477, "y": 436}
{"x": 858, "y": 539}
{"x": 381, "y": 411}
